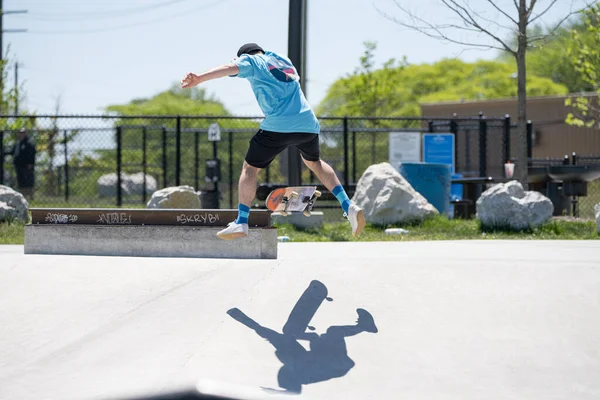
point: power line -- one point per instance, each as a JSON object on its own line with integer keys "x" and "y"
{"x": 114, "y": 28}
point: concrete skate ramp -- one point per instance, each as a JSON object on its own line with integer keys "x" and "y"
{"x": 436, "y": 320}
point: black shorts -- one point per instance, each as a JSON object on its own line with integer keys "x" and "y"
{"x": 266, "y": 145}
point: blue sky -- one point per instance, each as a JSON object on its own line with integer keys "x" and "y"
{"x": 95, "y": 53}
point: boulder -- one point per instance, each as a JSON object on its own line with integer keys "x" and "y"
{"x": 13, "y": 206}
{"x": 107, "y": 185}
{"x": 130, "y": 184}
{"x": 175, "y": 197}
{"x": 387, "y": 198}
{"x": 136, "y": 183}
{"x": 597, "y": 211}
{"x": 508, "y": 206}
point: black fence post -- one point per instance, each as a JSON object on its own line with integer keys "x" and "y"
{"x": 144, "y": 162}
{"x": 119, "y": 144}
{"x": 430, "y": 127}
{"x": 529, "y": 140}
{"x": 482, "y": 145}
{"x": 454, "y": 131}
{"x": 353, "y": 157}
{"x": 66, "y": 154}
{"x": 196, "y": 160}
{"x": 164, "y": 155}
{"x": 231, "y": 170}
{"x": 1, "y": 157}
{"x": 506, "y": 129}
{"x": 178, "y": 151}
{"x": 346, "y": 151}
{"x": 217, "y": 194}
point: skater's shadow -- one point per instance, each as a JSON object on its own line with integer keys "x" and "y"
{"x": 327, "y": 358}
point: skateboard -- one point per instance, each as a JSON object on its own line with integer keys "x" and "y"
{"x": 305, "y": 308}
{"x": 294, "y": 198}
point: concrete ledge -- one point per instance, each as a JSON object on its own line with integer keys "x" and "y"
{"x": 299, "y": 220}
{"x": 148, "y": 241}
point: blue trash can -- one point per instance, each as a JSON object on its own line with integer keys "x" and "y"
{"x": 432, "y": 181}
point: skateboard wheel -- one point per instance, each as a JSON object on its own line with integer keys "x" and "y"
{"x": 307, "y": 213}
{"x": 293, "y": 195}
{"x": 317, "y": 193}
{"x": 284, "y": 213}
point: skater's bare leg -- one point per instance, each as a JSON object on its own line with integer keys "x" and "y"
{"x": 247, "y": 184}
{"x": 246, "y": 193}
{"x": 324, "y": 173}
{"x": 327, "y": 176}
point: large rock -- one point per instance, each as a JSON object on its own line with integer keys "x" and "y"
{"x": 136, "y": 183}
{"x": 130, "y": 184}
{"x": 388, "y": 198}
{"x": 107, "y": 185}
{"x": 597, "y": 210}
{"x": 508, "y": 206}
{"x": 13, "y": 205}
{"x": 175, "y": 197}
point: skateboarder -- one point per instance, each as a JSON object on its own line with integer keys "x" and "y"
{"x": 289, "y": 121}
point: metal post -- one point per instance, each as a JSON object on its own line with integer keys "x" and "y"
{"x": 231, "y": 169}
{"x": 217, "y": 194}
{"x": 482, "y": 146}
{"x": 353, "y": 157}
{"x": 506, "y": 129}
{"x": 65, "y": 140}
{"x": 144, "y": 162}
{"x": 178, "y": 152}
{"x": 454, "y": 131}
{"x": 297, "y": 54}
{"x": 1, "y": 157}
{"x": 346, "y": 151}
{"x": 119, "y": 191}
{"x": 574, "y": 199}
{"x": 529, "y": 140}
{"x": 430, "y": 127}
{"x": 196, "y": 160}
{"x": 164, "y": 155}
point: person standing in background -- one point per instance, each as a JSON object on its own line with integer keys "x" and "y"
{"x": 23, "y": 153}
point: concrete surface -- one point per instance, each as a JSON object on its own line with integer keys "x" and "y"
{"x": 454, "y": 320}
{"x": 299, "y": 220}
{"x": 147, "y": 241}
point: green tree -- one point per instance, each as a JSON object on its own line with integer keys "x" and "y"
{"x": 367, "y": 90}
{"x": 446, "y": 80}
{"x": 175, "y": 101}
{"x": 585, "y": 55}
{"x": 550, "y": 60}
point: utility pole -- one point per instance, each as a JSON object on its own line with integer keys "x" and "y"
{"x": 2, "y": 31}
{"x": 297, "y": 53}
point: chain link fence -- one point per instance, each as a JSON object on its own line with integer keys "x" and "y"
{"x": 108, "y": 161}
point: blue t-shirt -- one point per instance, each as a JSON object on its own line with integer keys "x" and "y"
{"x": 276, "y": 86}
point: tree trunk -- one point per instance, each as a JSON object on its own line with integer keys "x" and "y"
{"x": 521, "y": 142}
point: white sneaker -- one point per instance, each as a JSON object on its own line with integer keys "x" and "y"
{"x": 356, "y": 216}
{"x": 233, "y": 231}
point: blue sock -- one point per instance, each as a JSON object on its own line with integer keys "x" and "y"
{"x": 243, "y": 212}
{"x": 342, "y": 197}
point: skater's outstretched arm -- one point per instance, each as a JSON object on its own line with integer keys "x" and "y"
{"x": 191, "y": 79}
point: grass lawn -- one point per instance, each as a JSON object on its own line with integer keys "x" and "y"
{"x": 439, "y": 228}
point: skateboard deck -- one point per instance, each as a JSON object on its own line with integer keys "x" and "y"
{"x": 306, "y": 308}
{"x": 293, "y": 199}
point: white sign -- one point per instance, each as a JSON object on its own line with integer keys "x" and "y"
{"x": 404, "y": 147}
{"x": 214, "y": 132}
